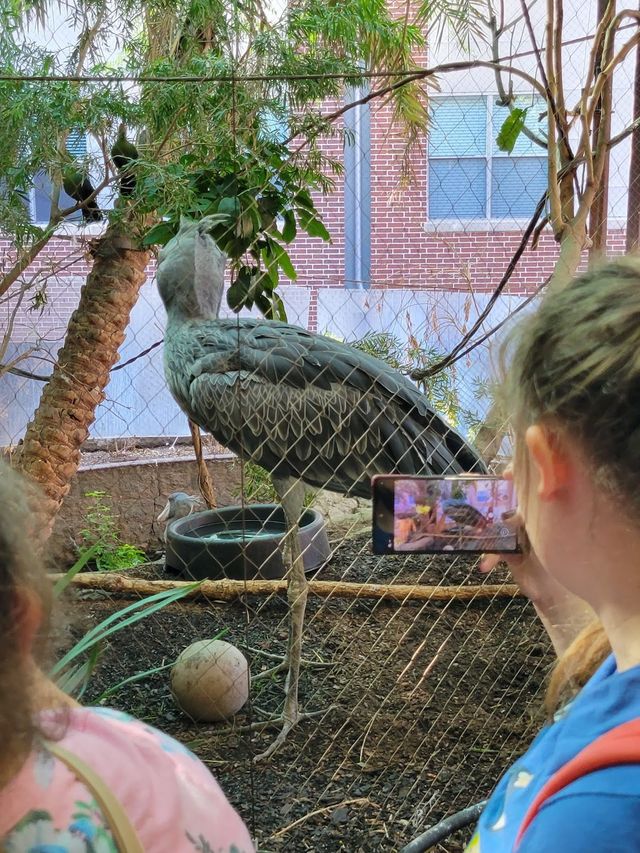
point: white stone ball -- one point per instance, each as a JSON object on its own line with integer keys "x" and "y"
{"x": 210, "y": 680}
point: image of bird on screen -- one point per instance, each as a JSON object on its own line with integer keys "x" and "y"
{"x": 453, "y": 515}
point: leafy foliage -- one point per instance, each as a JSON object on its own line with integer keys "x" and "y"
{"x": 256, "y": 210}
{"x": 73, "y": 671}
{"x": 511, "y": 129}
{"x": 257, "y": 486}
{"x": 235, "y": 132}
{"x": 441, "y": 389}
{"x": 101, "y": 540}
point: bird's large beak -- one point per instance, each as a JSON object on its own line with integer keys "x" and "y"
{"x": 164, "y": 515}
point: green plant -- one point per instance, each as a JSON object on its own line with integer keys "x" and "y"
{"x": 258, "y": 487}
{"x": 73, "y": 671}
{"x": 101, "y": 537}
{"x": 440, "y": 389}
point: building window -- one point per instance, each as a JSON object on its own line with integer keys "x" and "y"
{"x": 469, "y": 177}
{"x": 42, "y": 189}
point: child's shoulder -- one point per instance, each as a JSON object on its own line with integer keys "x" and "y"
{"x": 122, "y": 730}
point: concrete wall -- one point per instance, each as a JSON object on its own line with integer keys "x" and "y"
{"x": 137, "y": 493}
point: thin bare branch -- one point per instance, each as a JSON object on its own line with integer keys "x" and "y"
{"x": 449, "y": 359}
{"x": 619, "y": 57}
{"x": 424, "y": 74}
{"x": 26, "y": 258}
{"x": 558, "y": 58}
{"x": 508, "y": 98}
{"x": 87, "y": 38}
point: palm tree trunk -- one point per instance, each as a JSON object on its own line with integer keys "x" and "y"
{"x": 50, "y": 454}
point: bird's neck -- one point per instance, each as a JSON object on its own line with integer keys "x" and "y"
{"x": 188, "y": 307}
{"x": 208, "y": 285}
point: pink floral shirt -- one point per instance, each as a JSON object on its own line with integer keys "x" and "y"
{"x": 171, "y": 798}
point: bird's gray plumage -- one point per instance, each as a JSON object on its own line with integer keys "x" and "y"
{"x": 463, "y": 513}
{"x": 179, "y": 505}
{"x": 301, "y": 405}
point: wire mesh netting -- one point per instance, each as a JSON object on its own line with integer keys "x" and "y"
{"x": 420, "y": 680}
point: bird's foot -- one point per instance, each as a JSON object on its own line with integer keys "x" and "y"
{"x": 287, "y": 721}
{"x": 284, "y": 664}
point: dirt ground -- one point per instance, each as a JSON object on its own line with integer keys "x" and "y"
{"x": 431, "y": 702}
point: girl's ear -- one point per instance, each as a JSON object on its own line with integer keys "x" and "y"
{"x": 549, "y": 459}
{"x": 27, "y": 611}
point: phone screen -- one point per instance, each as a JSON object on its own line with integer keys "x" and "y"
{"x": 432, "y": 515}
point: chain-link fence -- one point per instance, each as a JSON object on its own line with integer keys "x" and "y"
{"x": 422, "y": 679}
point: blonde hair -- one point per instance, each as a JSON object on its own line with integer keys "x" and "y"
{"x": 576, "y": 666}
{"x": 575, "y": 365}
{"x": 20, "y": 572}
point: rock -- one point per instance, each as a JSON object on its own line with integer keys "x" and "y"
{"x": 339, "y": 816}
{"x": 210, "y": 680}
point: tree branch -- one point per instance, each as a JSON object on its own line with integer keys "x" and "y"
{"x": 25, "y": 259}
{"x": 425, "y": 373}
{"x": 508, "y": 99}
{"x": 423, "y": 74}
{"x": 619, "y": 57}
{"x": 546, "y": 74}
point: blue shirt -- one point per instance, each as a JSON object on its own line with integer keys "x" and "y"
{"x": 599, "y": 812}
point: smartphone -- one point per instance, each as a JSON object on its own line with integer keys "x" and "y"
{"x": 431, "y": 515}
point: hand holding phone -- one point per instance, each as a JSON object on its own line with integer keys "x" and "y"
{"x": 429, "y": 515}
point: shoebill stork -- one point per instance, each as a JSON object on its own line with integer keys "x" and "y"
{"x": 309, "y": 409}
{"x": 179, "y": 505}
{"x": 463, "y": 513}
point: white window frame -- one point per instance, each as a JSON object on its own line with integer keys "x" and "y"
{"x": 488, "y": 223}
{"x": 71, "y": 227}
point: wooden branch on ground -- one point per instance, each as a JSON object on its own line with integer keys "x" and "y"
{"x": 228, "y": 590}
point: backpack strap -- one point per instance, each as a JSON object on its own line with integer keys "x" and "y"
{"x": 117, "y": 820}
{"x": 620, "y": 745}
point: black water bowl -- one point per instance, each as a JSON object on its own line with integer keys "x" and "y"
{"x": 241, "y": 543}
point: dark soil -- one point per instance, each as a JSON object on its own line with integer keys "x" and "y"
{"x": 432, "y": 702}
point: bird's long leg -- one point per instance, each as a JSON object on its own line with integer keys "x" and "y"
{"x": 204, "y": 480}
{"x": 291, "y": 493}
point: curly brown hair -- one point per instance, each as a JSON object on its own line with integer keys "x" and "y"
{"x": 21, "y": 574}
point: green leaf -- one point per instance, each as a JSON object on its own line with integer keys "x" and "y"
{"x": 284, "y": 260}
{"x": 314, "y": 227}
{"x": 239, "y": 291}
{"x": 230, "y": 206}
{"x": 160, "y": 233}
{"x": 271, "y": 263}
{"x": 139, "y": 676}
{"x": 87, "y": 555}
{"x": 265, "y": 305}
{"x": 122, "y": 619}
{"x": 289, "y": 228}
{"x": 75, "y": 680}
{"x": 280, "y": 312}
{"x": 303, "y": 199}
{"x": 511, "y": 129}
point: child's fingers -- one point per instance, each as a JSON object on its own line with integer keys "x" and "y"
{"x": 488, "y": 562}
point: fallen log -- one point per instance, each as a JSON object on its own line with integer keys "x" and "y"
{"x": 228, "y": 590}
